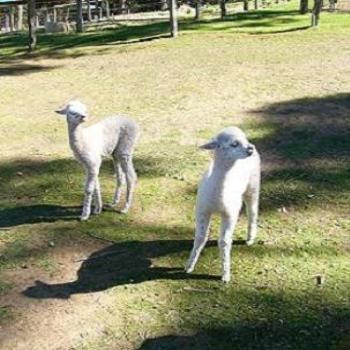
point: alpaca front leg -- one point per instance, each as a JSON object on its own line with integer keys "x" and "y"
{"x": 252, "y": 207}
{"x": 201, "y": 237}
{"x": 130, "y": 175}
{"x": 225, "y": 244}
{"x": 89, "y": 190}
{"x": 97, "y": 198}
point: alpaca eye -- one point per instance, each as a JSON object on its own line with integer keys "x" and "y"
{"x": 234, "y": 144}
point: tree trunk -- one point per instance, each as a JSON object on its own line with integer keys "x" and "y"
{"x": 304, "y": 7}
{"x": 223, "y": 8}
{"x": 123, "y": 6}
{"x": 315, "y": 17}
{"x": 256, "y": 5}
{"x": 173, "y": 18}
{"x": 163, "y": 5}
{"x": 108, "y": 12}
{"x": 19, "y": 17}
{"x": 245, "y": 5}
{"x": 7, "y": 22}
{"x": 79, "y": 19}
{"x": 12, "y": 18}
{"x": 98, "y": 10}
{"x": 198, "y": 9}
{"x": 31, "y": 25}
{"x": 89, "y": 17}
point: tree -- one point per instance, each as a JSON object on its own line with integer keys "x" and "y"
{"x": 315, "y": 17}
{"x": 304, "y": 6}
{"x": 79, "y": 19}
{"x": 31, "y": 25}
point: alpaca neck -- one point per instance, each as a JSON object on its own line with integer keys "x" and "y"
{"x": 222, "y": 166}
{"x": 75, "y": 133}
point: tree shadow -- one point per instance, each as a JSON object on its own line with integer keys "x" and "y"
{"x": 307, "y": 146}
{"x": 25, "y": 180}
{"x": 58, "y": 45}
{"x": 119, "y": 264}
{"x": 253, "y": 21}
{"x": 23, "y": 69}
{"x": 37, "y": 214}
{"x": 131, "y": 262}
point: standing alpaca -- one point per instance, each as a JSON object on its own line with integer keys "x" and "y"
{"x": 233, "y": 177}
{"x": 116, "y": 136}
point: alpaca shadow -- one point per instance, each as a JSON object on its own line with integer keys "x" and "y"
{"x": 10, "y": 217}
{"x": 120, "y": 264}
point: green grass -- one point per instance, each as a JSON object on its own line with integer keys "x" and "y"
{"x": 285, "y": 85}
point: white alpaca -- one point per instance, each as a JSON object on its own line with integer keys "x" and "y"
{"x": 233, "y": 177}
{"x": 115, "y": 136}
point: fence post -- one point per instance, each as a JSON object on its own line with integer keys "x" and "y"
{"x": 173, "y": 18}
{"x": 31, "y": 25}
{"x": 19, "y": 17}
{"x": 79, "y": 20}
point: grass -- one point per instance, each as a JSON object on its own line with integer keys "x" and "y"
{"x": 286, "y": 86}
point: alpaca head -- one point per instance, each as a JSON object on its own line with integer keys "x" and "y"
{"x": 230, "y": 144}
{"x": 75, "y": 111}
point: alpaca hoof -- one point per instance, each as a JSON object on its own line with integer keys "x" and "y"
{"x": 226, "y": 278}
{"x": 97, "y": 211}
{"x": 249, "y": 242}
{"x": 84, "y": 217}
{"x": 123, "y": 211}
{"x": 189, "y": 269}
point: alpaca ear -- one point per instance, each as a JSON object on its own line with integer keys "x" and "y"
{"x": 62, "y": 111}
{"x": 210, "y": 145}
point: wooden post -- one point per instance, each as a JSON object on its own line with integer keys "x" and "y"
{"x": 245, "y": 5}
{"x": 108, "y": 12}
{"x": 7, "y": 21}
{"x": 223, "y": 8}
{"x": 19, "y": 17}
{"x": 89, "y": 17}
{"x": 31, "y": 25}
{"x": 173, "y": 18}
{"x": 79, "y": 19}
{"x": 315, "y": 16}
{"x": 304, "y": 7}
{"x": 12, "y": 18}
{"x": 198, "y": 9}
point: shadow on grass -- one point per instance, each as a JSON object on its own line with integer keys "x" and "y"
{"x": 131, "y": 262}
{"x": 287, "y": 322}
{"x": 68, "y": 45}
{"x": 252, "y": 22}
{"x": 119, "y": 264}
{"x": 23, "y": 69}
{"x": 308, "y": 141}
{"x": 24, "y": 181}
{"x": 40, "y": 213}
{"x": 59, "y": 45}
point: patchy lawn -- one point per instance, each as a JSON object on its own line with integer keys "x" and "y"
{"x": 117, "y": 282}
